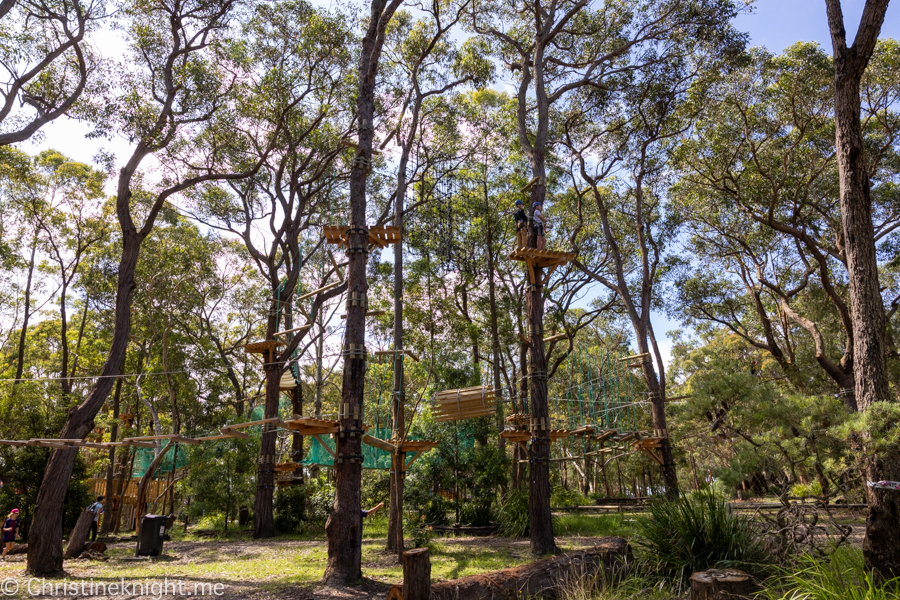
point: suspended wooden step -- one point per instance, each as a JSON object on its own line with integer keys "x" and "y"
{"x": 582, "y": 431}
{"x": 518, "y": 436}
{"x": 378, "y": 236}
{"x": 314, "y": 426}
{"x": 465, "y": 403}
{"x": 541, "y": 259}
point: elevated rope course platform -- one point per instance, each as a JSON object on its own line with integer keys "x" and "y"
{"x": 541, "y": 259}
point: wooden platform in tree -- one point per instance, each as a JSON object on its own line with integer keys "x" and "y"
{"x": 464, "y": 403}
{"x": 541, "y": 259}
{"x": 651, "y": 447}
{"x": 268, "y": 348}
{"x": 378, "y": 236}
{"x": 287, "y": 467}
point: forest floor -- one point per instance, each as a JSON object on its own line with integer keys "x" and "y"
{"x": 233, "y": 565}
{"x": 286, "y": 567}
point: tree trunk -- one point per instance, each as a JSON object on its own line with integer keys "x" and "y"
{"x": 121, "y": 485}
{"x": 495, "y": 330}
{"x": 296, "y": 438}
{"x": 398, "y": 398}
{"x": 79, "y": 535}
{"x": 140, "y": 502}
{"x": 539, "y": 516}
{"x": 26, "y": 315}
{"x": 263, "y": 516}
{"x": 880, "y": 547}
{"x": 45, "y": 553}
{"x": 542, "y": 579}
{"x": 110, "y": 493}
{"x": 417, "y": 574}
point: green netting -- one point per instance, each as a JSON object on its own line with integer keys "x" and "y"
{"x": 144, "y": 456}
{"x": 599, "y": 391}
{"x": 373, "y": 458}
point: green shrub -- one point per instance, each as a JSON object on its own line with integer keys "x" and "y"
{"x": 563, "y": 498}
{"x": 319, "y": 500}
{"x": 511, "y": 515}
{"x": 475, "y": 514}
{"x": 694, "y": 533}
{"x": 842, "y": 577}
{"x": 802, "y": 490}
{"x": 289, "y": 508}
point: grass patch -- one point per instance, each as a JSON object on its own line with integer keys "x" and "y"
{"x": 595, "y": 525}
{"x": 843, "y": 577}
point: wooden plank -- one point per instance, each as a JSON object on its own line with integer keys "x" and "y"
{"x": 379, "y": 443}
{"x": 337, "y": 268}
{"x": 13, "y": 443}
{"x": 251, "y": 423}
{"x": 147, "y": 438}
{"x": 416, "y": 445}
{"x": 295, "y": 329}
{"x": 43, "y": 444}
{"x": 211, "y": 438}
{"x": 330, "y": 286}
{"x": 234, "y": 434}
{"x": 185, "y": 440}
{"x": 530, "y": 184}
{"x": 412, "y": 460}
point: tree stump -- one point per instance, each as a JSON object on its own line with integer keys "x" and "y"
{"x": 79, "y": 535}
{"x": 725, "y": 584}
{"x": 417, "y": 574}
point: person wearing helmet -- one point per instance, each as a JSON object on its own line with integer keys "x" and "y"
{"x": 10, "y": 531}
{"x": 538, "y": 218}
{"x": 521, "y": 220}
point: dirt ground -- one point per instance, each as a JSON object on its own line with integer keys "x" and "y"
{"x": 245, "y": 569}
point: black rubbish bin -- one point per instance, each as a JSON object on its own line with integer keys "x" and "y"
{"x": 150, "y": 540}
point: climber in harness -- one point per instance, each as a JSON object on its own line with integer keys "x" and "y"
{"x": 521, "y": 220}
{"x": 539, "y": 224}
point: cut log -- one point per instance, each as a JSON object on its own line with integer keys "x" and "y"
{"x": 98, "y": 547}
{"x": 725, "y": 584}
{"x": 79, "y": 535}
{"x": 396, "y": 593}
{"x": 417, "y": 574}
{"x": 19, "y": 549}
{"x": 542, "y": 579}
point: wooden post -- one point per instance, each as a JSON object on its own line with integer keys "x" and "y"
{"x": 417, "y": 574}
